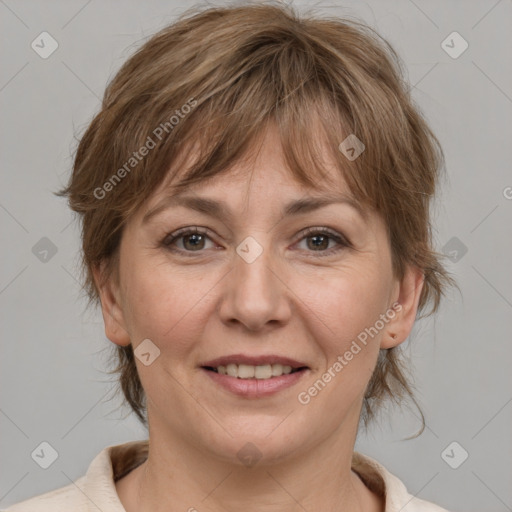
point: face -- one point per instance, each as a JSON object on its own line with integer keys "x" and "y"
{"x": 252, "y": 293}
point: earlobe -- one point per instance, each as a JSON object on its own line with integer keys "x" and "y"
{"x": 111, "y": 309}
{"x": 408, "y": 297}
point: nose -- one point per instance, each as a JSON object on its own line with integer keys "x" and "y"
{"x": 256, "y": 295}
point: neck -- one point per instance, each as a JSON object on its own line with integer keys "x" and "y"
{"x": 179, "y": 476}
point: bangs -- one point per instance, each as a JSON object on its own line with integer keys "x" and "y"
{"x": 271, "y": 79}
{"x": 309, "y": 146}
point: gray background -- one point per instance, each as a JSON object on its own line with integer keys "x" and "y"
{"x": 54, "y": 355}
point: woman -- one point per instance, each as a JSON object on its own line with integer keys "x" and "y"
{"x": 254, "y": 197}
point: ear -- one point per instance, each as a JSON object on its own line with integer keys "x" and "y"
{"x": 113, "y": 317}
{"x": 406, "y": 298}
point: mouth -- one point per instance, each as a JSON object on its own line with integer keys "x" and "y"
{"x": 260, "y": 372}
{"x": 254, "y": 377}
{"x": 254, "y": 367}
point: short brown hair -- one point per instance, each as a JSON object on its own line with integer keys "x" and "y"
{"x": 239, "y": 68}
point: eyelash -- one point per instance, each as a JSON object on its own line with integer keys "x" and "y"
{"x": 169, "y": 239}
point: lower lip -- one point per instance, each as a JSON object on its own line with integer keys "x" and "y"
{"x": 255, "y": 388}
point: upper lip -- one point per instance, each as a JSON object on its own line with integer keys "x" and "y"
{"x": 253, "y": 361}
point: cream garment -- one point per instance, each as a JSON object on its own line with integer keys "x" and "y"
{"x": 96, "y": 489}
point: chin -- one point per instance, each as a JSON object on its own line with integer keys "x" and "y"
{"x": 262, "y": 440}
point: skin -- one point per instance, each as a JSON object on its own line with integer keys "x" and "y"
{"x": 202, "y": 303}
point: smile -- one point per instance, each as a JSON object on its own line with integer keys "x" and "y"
{"x": 246, "y": 371}
{"x": 254, "y": 376}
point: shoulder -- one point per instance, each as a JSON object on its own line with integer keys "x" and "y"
{"x": 60, "y": 500}
{"x": 380, "y": 480}
{"x": 96, "y": 490}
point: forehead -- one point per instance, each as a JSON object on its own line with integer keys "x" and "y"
{"x": 262, "y": 164}
{"x": 260, "y": 184}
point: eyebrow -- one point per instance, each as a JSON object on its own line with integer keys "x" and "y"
{"x": 220, "y": 210}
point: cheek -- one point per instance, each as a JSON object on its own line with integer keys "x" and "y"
{"x": 164, "y": 304}
{"x": 348, "y": 309}
{"x": 349, "y": 303}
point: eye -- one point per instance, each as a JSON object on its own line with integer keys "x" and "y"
{"x": 194, "y": 239}
{"x": 320, "y": 238}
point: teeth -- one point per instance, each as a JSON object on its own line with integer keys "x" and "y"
{"x": 262, "y": 372}
{"x": 277, "y": 369}
{"x": 246, "y": 371}
{"x": 232, "y": 370}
